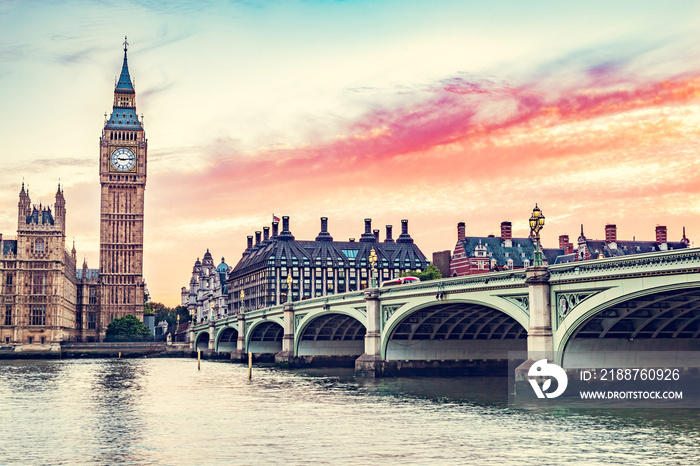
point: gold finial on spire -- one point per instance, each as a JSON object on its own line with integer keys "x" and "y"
{"x": 125, "y": 44}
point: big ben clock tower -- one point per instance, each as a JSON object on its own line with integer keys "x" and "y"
{"x": 123, "y": 179}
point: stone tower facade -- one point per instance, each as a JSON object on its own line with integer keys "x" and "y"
{"x": 37, "y": 276}
{"x": 123, "y": 148}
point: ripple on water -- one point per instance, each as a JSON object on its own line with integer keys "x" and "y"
{"x": 164, "y": 411}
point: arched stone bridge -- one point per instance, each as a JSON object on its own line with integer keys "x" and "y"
{"x": 647, "y": 302}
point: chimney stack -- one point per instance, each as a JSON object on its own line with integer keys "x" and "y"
{"x": 565, "y": 244}
{"x": 376, "y": 234}
{"x": 266, "y": 234}
{"x": 367, "y": 236}
{"x": 250, "y": 243}
{"x": 275, "y": 229}
{"x": 286, "y": 235}
{"x": 257, "y": 238}
{"x": 404, "y": 237}
{"x": 610, "y": 233}
{"x": 506, "y": 231}
{"x": 461, "y": 231}
{"x": 324, "y": 235}
{"x": 389, "y": 238}
{"x": 661, "y": 237}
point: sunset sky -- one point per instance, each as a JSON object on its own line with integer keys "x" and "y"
{"x": 437, "y": 112}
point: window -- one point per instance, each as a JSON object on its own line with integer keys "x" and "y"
{"x": 8, "y": 315}
{"x": 7, "y": 340}
{"x": 30, "y": 340}
{"x": 9, "y": 287}
{"x": 93, "y": 295}
{"x": 37, "y": 315}
{"x": 39, "y": 246}
{"x": 39, "y": 283}
{"x": 43, "y": 340}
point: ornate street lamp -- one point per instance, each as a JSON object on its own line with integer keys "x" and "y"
{"x": 536, "y": 224}
{"x": 289, "y": 287}
{"x": 242, "y": 295}
{"x": 177, "y": 327}
{"x": 373, "y": 264}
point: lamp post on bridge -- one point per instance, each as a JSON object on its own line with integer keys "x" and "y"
{"x": 536, "y": 224}
{"x": 373, "y": 264}
{"x": 289, "y": 287}
{"x": 242, "y": 295}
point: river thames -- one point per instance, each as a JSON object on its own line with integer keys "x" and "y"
{"x": 165, "y": 411}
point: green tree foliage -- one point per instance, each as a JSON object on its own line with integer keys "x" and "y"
{"x": 430, "y": 273}
{"x": 127, "y": 328}
{"x": 164, "y": 313}
{"x": 147, "y": 305}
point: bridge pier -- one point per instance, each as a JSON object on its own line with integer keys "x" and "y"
{"x": 540, "y": 342}
{"x": 286, "y": 356}
{"x": 212, "y": 336}
{"x": 371, "y": 364}
{"x": 539, "y": 334}
{"x": 240, "y": 354}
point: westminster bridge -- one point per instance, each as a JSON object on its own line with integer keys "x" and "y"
{"x": 642, "y": 303}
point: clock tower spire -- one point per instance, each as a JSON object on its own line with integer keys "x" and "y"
{"x": 123, "y": 148}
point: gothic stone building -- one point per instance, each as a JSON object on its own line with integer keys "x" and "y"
{"x": 38, "y": 276}
{"x": 44, "y": 298}
{"x": 207, "y": 296}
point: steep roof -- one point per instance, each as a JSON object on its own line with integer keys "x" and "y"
{"x": 521, "y": 249}
{"x": 124, "y": 84}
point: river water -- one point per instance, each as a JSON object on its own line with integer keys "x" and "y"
{"x": 165, "y": 411}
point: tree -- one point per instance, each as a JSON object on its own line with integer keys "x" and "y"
{"x": 147, "y": 306}
{"x": 164, "y": 313}
{"x": 430, "y": 273}
{"x": 127, "y": 328}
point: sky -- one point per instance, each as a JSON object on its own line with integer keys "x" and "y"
{"x": 435, "y": 112}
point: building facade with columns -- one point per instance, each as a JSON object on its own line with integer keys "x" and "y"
{"x": 318, "y": 267}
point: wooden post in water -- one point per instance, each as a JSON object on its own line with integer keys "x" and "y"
{"x": 199, "y": 360}
{"x": 250, "y": 365}
{"x": 120, "y": 355}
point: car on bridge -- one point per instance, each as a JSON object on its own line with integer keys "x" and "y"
{"x": 401, "y": 281}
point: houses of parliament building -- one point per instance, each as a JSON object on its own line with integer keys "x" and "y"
{"x": 45, "y": 298}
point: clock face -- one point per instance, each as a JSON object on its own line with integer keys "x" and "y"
{"x": 123, "y": 159}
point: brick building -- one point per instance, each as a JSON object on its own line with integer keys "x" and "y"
{"x": 481, "y": 254}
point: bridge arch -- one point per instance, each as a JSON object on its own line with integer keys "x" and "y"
{"x": 264, "y": 336}
{"x": 455, "y": 329}
{"x": 226, "y": 339}
{"x": 660, "y": 318}
{"x": 202, "y": 341}
{"x": 336, "y": 332}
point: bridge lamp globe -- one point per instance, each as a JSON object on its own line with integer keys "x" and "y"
{"x": 373, "y": 263}
{"x": 536, "y": 224}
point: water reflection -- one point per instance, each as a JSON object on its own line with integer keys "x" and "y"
{"x": 117, "y": 420}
